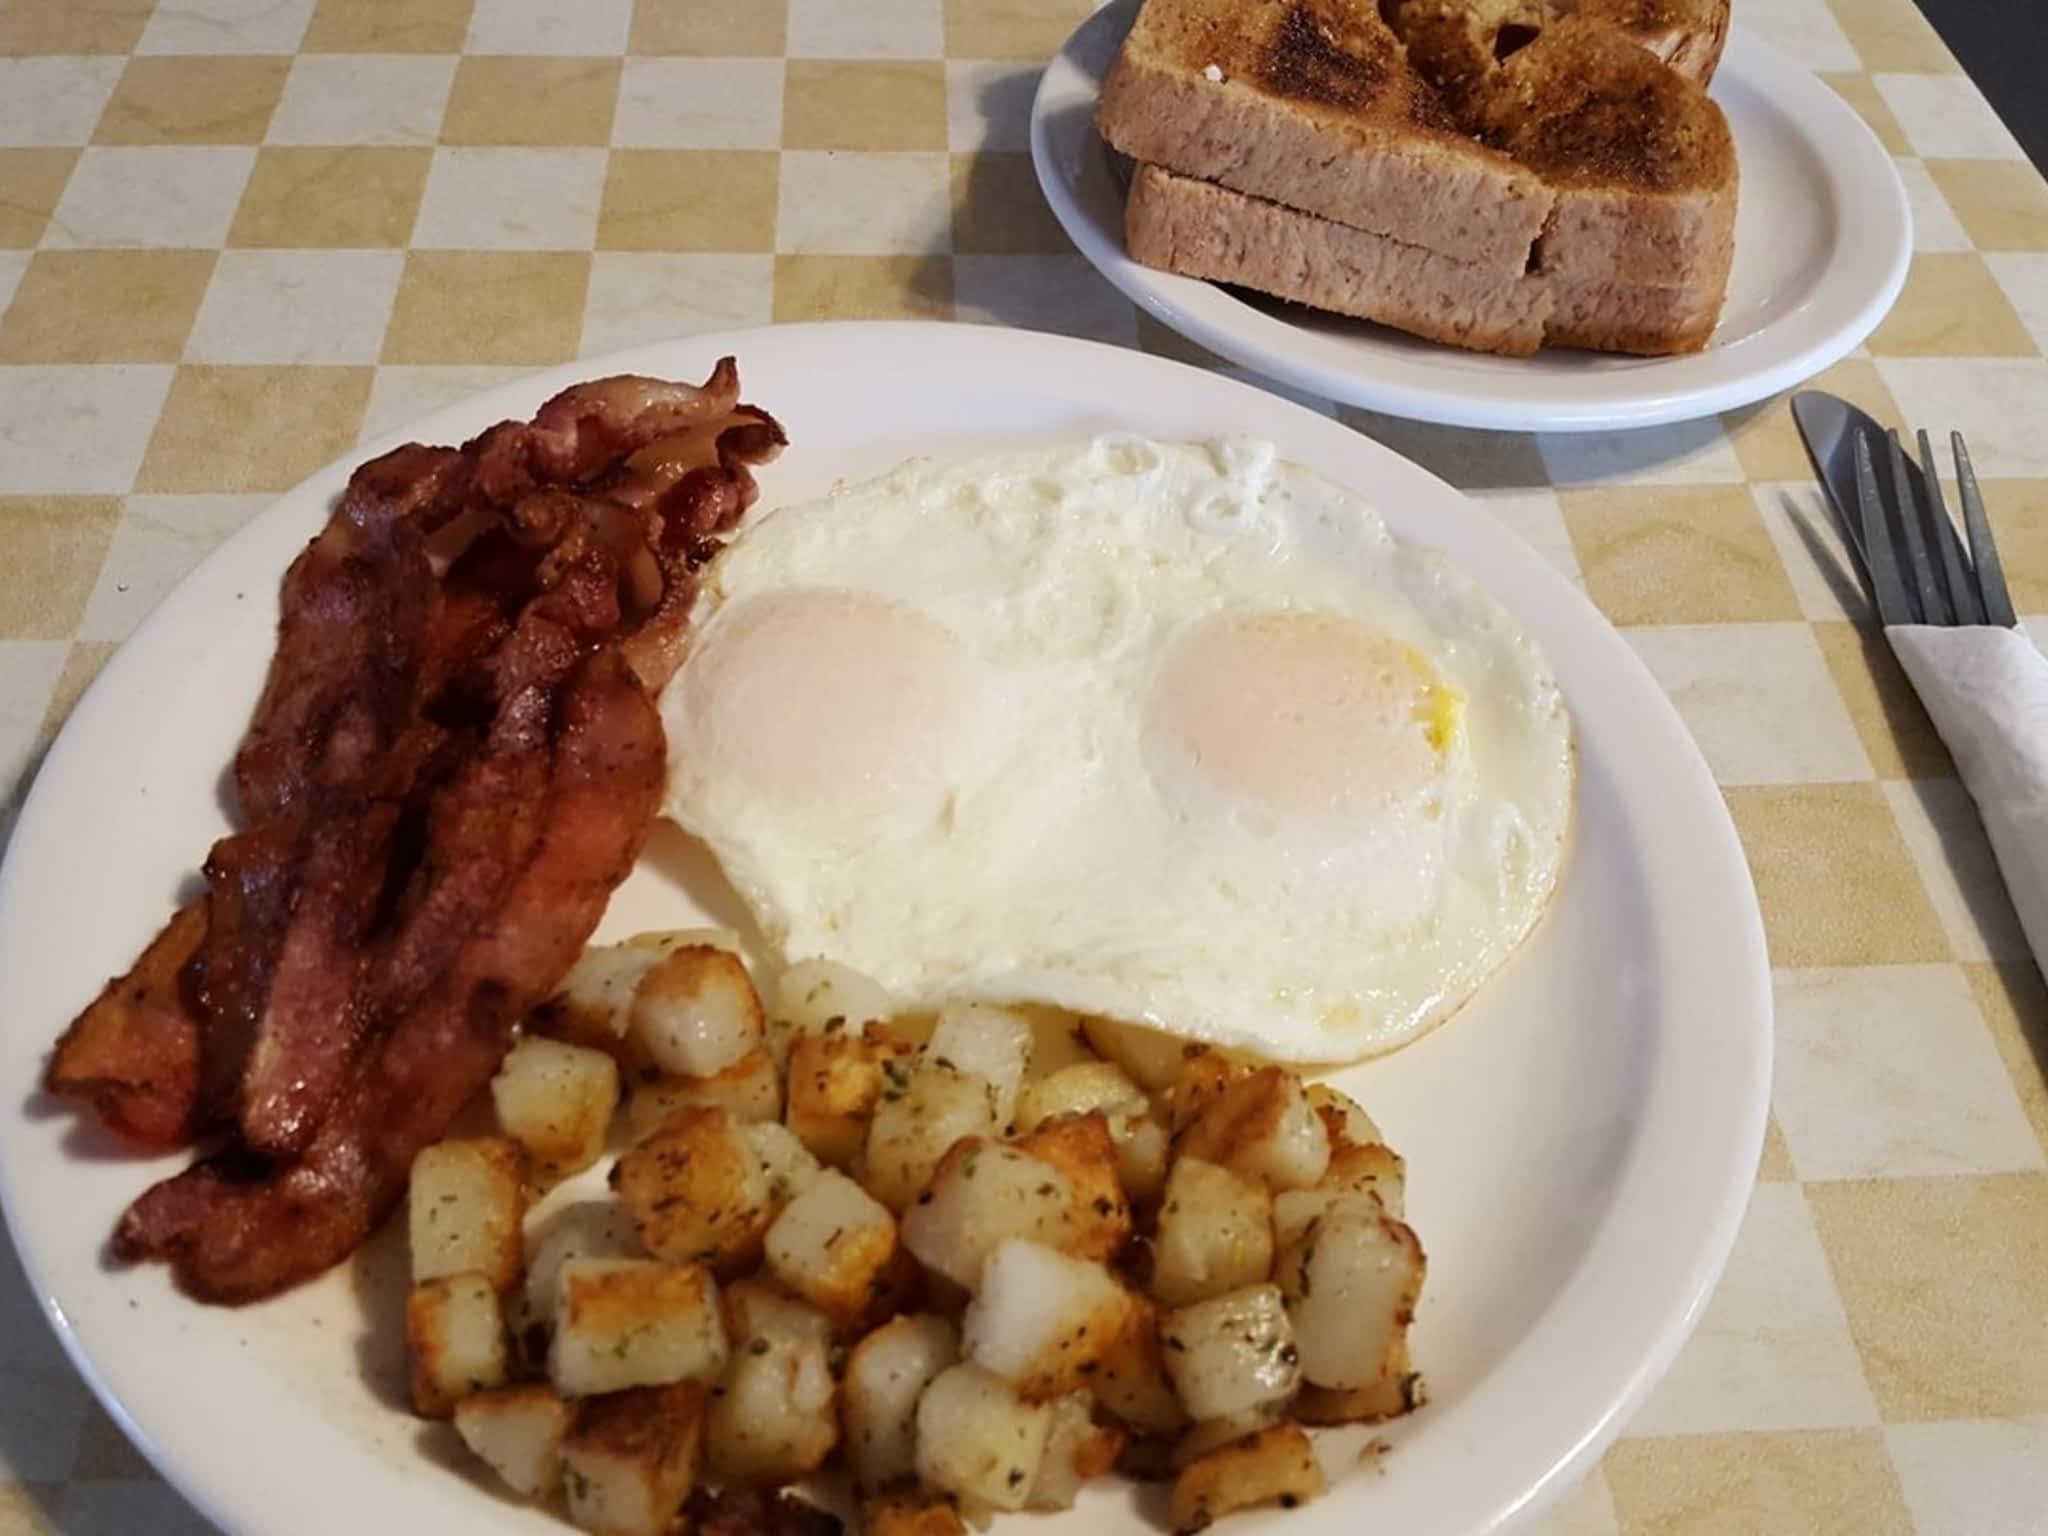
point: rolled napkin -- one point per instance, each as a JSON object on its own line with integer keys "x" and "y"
{"x": 1986, "y": 689}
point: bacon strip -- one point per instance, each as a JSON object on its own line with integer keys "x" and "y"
{"x": 452, "y": 763}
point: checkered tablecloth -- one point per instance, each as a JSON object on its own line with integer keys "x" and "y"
{"x": 236, "y": 236}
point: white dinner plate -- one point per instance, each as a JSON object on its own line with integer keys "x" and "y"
{"x": 1822, "y": 242}
{"x": 1580, "y": 1140}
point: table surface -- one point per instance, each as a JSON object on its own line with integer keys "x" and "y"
{"x": 237, "y": 236}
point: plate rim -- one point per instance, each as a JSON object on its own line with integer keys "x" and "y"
{"x": 228, "y": 1499}
{"x": 1863, "y": 178}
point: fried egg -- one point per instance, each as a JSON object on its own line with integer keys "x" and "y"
{"x": 1175, "y": 733}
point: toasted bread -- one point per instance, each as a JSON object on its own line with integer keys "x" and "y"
{"x": 1311, "y": 104}
{"x": 1459, "y": 45}
{"x": 1641, "y": 161}
{"x": 1202, "y": 230}
{"x": 1686, "y": 35}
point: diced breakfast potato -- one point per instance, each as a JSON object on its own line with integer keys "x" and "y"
{"x": 631, "y": 1459}
{"x": 1142, "y": 1149}
{"x": 697, "y": 1191}
{"x": 695, "y": 1012}
{"x": 977, "y": 1439}
{"x": 773, "y": 1419}
{"x": 592, "y": 1005}
{"x": 465, "y": 1209}
{"x": 623, "y": 1323}
{"x": 455, "y": 1332}
{"x": 910, "y": 1512}
{"x": 1130, "y": 1380}
{"x": 991, "y": 1042}
{"x": 750, "y": 1090}
{"x": 754, "y": 1309}
{"x": 786, "y": 1161}
{"x": 912, "y": 1129}
{"x": 1262, "y": 1125}
{"x": 1056, "y": 1039}
{"x": 1397, "y": 1392}
{"x": 517, "y": 1432}
{"x": 1373, "y": 1167}
{"x": 1274, "y": 1466}
{"x": 1200, "y": 1439}
{"x": 556, "y": 1101}
{"x": 812, "y": 993}
{"x": 1214, "y": 1233}
{"x": 836, "y": 1247}
{"x": 1150, "y": 1058}
{"x": 1204, "y": 1074}
{"x": 587, "y": 1229}
{"x": 983, "y": 1193}
{"x": 1082, "y": 1148}
{"x": 1075, "y": 1090}
{"x": 1041, "y": 1319}
{"x": 1351, "y": 1279}
{"x": 835, "y": 1081}
{"x": 1077, "y": 1450}
{"x": 1343, "y": 1117}
{"x": 1231, "y": 1354}
{"x": 886, "y": 1374}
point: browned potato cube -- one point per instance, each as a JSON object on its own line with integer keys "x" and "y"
{"x": 774, "y": 1417}
{"x": 466, "y": 1208}
{"x": 977, "y": 1439}
{"x": 1214, "y": 1234}
{"x": 697, "y": 1192}
{"x": 987, "y": 1041}
{"x": 750, "y": 1090}
{"x": 1231, "y": 1354}
{"x": 1262, "y": 1126}
{"x": 623, "y": 1323}
{"x": 1274, "y": 1466}
{"x": 1204, "y": 1074}
{"x": 914, "y": 1128}
{"x": 1374, "y": 1167}
{"x": 1077, "y": 1090}
{"x": 556, "y": 1101}
{"x": 1083, "y": 1149}
{"x": 755, "y": 1309}
{"x": 631, "y": 1459}
{"x": 1399, "y": 1391}
{"x": 1077, "y": 1450}
{"x": 982, "y": 1193}
{"x": 886, "y": 1374}
{"x": 836, "y": 1247}
{"x": 1351, "y": 1280}
{"x": 1130, "y": 1380}
{"x": 456, "y": 1333}
{"x": 814, "y": 993}
{"x": 1042, "y": 1319}
{"x": 1343, "y": 1117}
{"x": 835, "y": 1081}
{"x": 517, "y": 1432}
{"x": 695, "y": 1012}
{"x": 591, "y": 1007}
{"x": 910, "y": 1512}
{"x": 584, "y": 1229}
{"x": 1150, "y": 1058}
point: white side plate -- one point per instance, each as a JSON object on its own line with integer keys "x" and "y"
{"x": 1580, "y": 1141}
{"x": 1822, "y": 242}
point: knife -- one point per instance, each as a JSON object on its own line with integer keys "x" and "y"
{"x": 1829, "y": 426}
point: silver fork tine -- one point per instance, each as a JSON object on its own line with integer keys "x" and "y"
{"x": 1983, "y": 552}
{"x": 1962, "y": 590}
{"x": 1885, "y": 588}
{"x": 1933, "y": 606}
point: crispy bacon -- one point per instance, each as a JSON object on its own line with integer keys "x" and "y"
{"x": 452, "y": 763}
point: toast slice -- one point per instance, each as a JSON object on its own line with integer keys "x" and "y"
{"x": 1640, "y": 159}
{"x": 1312, "y": 104}
{"x": 1202, "y": 230}
{"x": 1688, "y": 36}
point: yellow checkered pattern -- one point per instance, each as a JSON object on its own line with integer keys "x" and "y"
{"x": 237, "y": 236}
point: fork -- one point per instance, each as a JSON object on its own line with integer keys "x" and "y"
{"x": 1950, "y": 620}
{"x": 1964, "y": 589}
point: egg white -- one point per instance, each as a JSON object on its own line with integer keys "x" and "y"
{"x": 1175, "y": 733}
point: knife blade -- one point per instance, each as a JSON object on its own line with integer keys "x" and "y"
{"x": 1829, "y": 426}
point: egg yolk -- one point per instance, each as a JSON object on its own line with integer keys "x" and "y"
{"x": 831, "y": 699}
{"x": 1304, "y": 714}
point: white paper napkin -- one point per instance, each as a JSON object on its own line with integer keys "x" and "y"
{"x": 1986, "y": 689}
